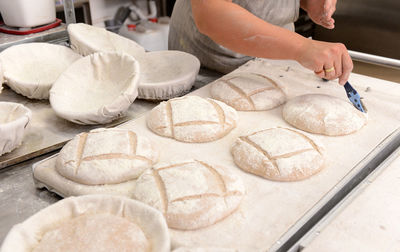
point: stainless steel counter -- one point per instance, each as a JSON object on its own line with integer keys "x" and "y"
{"x": 19, "y": 198}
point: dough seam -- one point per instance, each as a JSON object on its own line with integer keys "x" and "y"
{"x": 81, "y": 146}
{"x": 262, "y": 151}
{"x": 240, "y": 92}
{"x": 221, "y": 182}
{"x": 220, "y": 112}
{"x": 162, "y": 189}
{"x": 133, "y": 142}
{"x": 315, "y": 146}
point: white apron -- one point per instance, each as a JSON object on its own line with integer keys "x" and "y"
{"x": 184, "y": 36}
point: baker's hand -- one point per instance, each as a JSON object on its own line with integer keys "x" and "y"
{"x": 320, "y": 11}
{"x": 327, "y": 60}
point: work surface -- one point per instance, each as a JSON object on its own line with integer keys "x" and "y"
{"x": 270, "y": 209}
{"x": 370, "y": 220}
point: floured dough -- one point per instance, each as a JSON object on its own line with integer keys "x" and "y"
{"x": 46, "y": 176}
{"x": 167, "y": 74}
{"x": 323, "y": 114}
{"x": 192, "y": 119}
{"x": 14, "y": 118}
{"x": 117, "y": 234}
{"x": 106, "y": 156}
{"x": 87, "y": 39}
{"x": 191, "y": 194}
{"x": 91, "y": 223}
{"x": 279, "y": 154}
{"x": 96, "y": 89}
{"x": 248, "y": 92}
{"x": 31, "y": 69}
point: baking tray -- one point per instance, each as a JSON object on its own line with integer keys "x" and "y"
{"x": 272, "y": 212}
{"x": 366, "y": 220}
{"x": 47, "y": 132}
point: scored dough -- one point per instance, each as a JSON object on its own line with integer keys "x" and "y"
{"x": 192, "y": 119}
{"x": 323, "y": 114}
{"x": 31, "y": 69}
{"x": 279, "y": 154}
{"x": 167, "y": 74}
{"x": 248, "y": 92}
{"x": 106, "y": 156}
{"x": 87, "y": 39}
{"x": 191, "y": 194}
{"x": 14, "y": 118}
{"x": 96, "y": 89}
{"x": 91, "y": 223}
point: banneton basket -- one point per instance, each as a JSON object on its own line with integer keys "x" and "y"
{"x": 167, "y": 74}
{"x": 14, "y": 118}
{"x": 87, "y": 39}
{"x": 96, "y": 89}
{"x": 31, "y": 69}
{"x": 111, "y": 222}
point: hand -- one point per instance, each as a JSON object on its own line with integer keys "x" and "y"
{"x": 327, "y": 60}
{"x": 320, "y": 11}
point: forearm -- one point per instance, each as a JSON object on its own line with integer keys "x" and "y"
{"x": 235, "y": 28}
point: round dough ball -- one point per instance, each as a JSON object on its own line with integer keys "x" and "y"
{"x": 323, "y": 114}
{"x": 279, "y": 154}
{"x": 191, "y": 194}
{"x": 91, "y": 223}
{"x": 103, "y": 232}
{"x": 167, "y": 74}
{"x": 248, "y": 92}
{"x": 31, "y": 69}
{"x": 106, "y": 156}
{"x": 192, "y": 119}
{"x": 87, "y": 39}
{"x": 96, "y": 89}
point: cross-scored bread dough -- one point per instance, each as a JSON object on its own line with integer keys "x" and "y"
{"x": 96, "y": 89}
{"x": 323, "y": 114}
{"x": 87, "y": 39}
{"x": 91, "y": 223}
{"x": 192, "y": 119}
{"x": 106, "y": 156}
{"x": 279, "y": 154}
{"x": 191, "y": 194}
{"x": 31, "y": 69}
{"x": 167, "y": 74}
{"x": 14, "y": 118}
{"x": 248, "y": 92}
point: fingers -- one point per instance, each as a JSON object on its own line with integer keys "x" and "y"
{"x": 347, "y": 67}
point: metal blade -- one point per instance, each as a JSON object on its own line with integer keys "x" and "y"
{"x": 354, "y": 97}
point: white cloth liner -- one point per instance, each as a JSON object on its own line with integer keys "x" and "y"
{"x": 167, "y": 74}
{"x": 14, "y": 118}
{"x": 96, "y": 89}
{"x": 31, "y": 69}
{"x": 26, "y": 235}
{"x": 87, "y": 39}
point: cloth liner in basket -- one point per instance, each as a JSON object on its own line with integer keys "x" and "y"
{"x": 96, "y": 89}
{"x": 14, "y": 118}
{"x": 167, "y": 74}
{"x": 31, "y": 69}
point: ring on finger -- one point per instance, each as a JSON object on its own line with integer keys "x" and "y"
{"x": 331, "y": 69}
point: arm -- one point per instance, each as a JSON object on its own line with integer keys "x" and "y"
{"x": 235, "y": 28}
